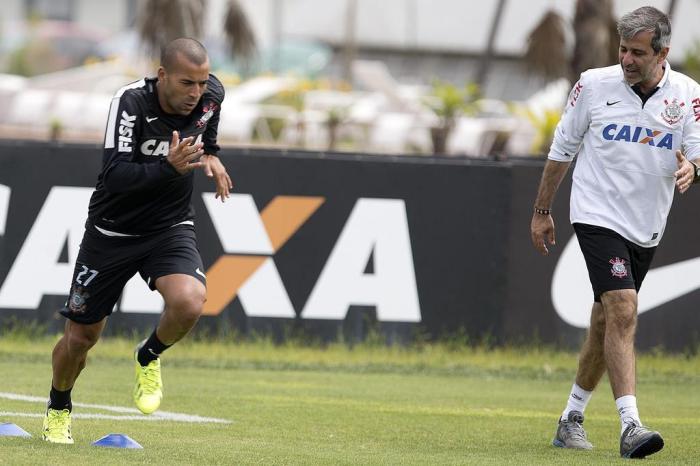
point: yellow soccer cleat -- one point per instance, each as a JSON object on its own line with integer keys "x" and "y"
{"x": 57, "y": 426}
{"x": 148, "y": 390}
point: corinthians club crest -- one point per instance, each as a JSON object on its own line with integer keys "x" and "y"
{"x": 77, "y": 300}
{"x": 208, "y": 111}
{"x": 673, "y": 112}
{"x": 618, "y": 268}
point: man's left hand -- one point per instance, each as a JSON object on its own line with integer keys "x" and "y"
{"x": 685, "y": 173}
{"x": 213, "y": 168}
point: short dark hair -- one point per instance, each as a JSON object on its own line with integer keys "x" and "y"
{"x": 191, "y": 49}
{"x": 646, "y": 19}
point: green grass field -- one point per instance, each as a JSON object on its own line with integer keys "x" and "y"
{"x": 436, "y": 404}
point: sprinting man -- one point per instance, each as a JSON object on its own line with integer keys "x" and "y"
{"x": 629, "y": 125}
{"x": 159, "y": 131}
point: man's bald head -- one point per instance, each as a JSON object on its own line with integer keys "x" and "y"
{"x": 182, "y": 76}
{"x": 190, "y": 49}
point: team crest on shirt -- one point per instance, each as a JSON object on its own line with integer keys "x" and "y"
{"x": 618, "y": 268}
{"x": 208, "y": 110}
{"x": 673, "y": 112}
{"x": 77, "y": 302}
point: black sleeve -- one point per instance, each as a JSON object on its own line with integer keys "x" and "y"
{"x": 216, "y": 89}
{"x": 120, "y": 173}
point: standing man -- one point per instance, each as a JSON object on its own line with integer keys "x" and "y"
{"x": 140, "y": 219}
{"x": 630, "y": 125}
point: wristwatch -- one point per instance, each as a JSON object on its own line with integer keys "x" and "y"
{"x": 696, "y": 172}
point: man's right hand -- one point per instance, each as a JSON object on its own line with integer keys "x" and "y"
{"x": 542, "y": 232}
{"x": 182, "y": 154}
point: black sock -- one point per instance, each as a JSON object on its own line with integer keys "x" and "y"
{"x": 60, "y": 400}
{"x": 151, "y": 349}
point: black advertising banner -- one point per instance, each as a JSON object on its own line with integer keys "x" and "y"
{"x": 550, "y": 298}
{"x": 338, "y": 245}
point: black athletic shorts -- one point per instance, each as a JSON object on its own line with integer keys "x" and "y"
{"x": 106, "y": 263}
{"x": 613, "y": 262}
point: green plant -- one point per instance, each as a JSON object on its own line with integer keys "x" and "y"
{"x": 275, "y": 127}
{"x": 544, "y": 123}
{"x": 691, "y": 61}
{"x": 55, "y": 129}
{"x": 334, "y": 118}
{"x": 294, "y": 97}
{"x": 448, "y": 102}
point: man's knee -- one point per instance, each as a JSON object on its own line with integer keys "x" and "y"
{"x": 80, "y": 338}
{"x": 620, "y": 308}
{"x": 597, "y": 319}
{"x": 188, "y": 303}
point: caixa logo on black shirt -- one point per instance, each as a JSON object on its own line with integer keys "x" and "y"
{"x": 160, "y": 148}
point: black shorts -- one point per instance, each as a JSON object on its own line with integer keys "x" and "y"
{"x": 106, "y": 263}
{"x": 613, "y": 262}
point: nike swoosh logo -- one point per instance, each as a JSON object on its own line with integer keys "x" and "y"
{"x": 572, "y": 295}
{"x": 150, "y": 119}
{"x": 199, "y": 272}
{"x": 613, "y": 103}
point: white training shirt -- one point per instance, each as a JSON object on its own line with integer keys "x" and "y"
{"x": 624, "y": 176}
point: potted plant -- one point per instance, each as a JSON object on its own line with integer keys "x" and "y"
{"x": 448, "y": 102}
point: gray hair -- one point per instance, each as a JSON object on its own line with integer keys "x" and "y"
{"x": 646, "y": 19}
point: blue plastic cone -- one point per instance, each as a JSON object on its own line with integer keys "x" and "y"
{"x": 12, "y": 430}
{"x": 116, "y": 441}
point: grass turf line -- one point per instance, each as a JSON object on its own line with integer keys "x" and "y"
{"x": 369, "y": 405}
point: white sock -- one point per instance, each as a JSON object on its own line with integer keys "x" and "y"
{"x": 627, "y": 407}
{"x": 578, "y": 399}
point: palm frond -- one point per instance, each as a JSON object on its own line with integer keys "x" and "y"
{"x": 614, "y": 47}
{"x": 239, "y": 33}
{"x": 546, "y": 47}
{"x": 161, "y": 21}
{"x": 593, "y": 36}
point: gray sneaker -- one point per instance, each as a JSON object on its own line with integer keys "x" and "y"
{"x": 570, "y": 433}
{"x": 638, "y": 441}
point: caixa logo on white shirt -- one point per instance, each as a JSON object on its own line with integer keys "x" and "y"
{"x": 159, "y": 148}
{"x": 627, "y": 133}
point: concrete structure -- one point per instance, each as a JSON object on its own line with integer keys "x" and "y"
{"x": 459, "y": 26}
{"x": 417, "y": 39}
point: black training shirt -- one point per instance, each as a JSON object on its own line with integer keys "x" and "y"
{"x": 138, "y": 191}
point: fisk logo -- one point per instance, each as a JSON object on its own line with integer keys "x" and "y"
{"x": 126, "y": 132}
{"x": 575, "y": 93}
{"x": 627, "y": 133}
{"x": 376, "y": 230}
{"x": 696, "y": 109}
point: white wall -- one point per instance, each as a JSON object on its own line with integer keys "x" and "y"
{"x": 453, "y": 25}
{"x": 11, "y": 10}
{"x": 109, "y": 16}
{"x": 456, "y": 25}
